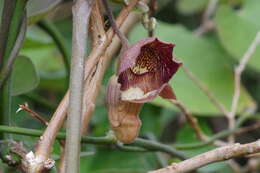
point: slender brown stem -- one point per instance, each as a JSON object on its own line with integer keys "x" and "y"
{"x": 192, "y": 121}
{"x": 26, "y": 108}
{"x": 121, "y": 36}
{"x": 248, "y": 128}
{"x": 206, "y": 91}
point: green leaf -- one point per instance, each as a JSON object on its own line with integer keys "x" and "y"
{"x": 236, "y": 34}
{"x": 188, "y": 7}
{"x": 37, "y": 9}
{"x": 41, "y": 49}
{"x": 24, "y": 76}
{"x": 250, "y": 11}
{"x": 207, "y": 60}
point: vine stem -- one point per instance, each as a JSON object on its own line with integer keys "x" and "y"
{"x": 216, "y": 155}
{"x": 149, "y": 145}
{"x": 81, "y": 13}
{"x": 190, "y": 118}
{"x": 123, "y": 39}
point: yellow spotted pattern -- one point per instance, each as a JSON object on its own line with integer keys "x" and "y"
{"x": 147, "y": 61}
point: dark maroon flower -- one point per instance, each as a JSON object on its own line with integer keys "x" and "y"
{"x": 145, "y": 70}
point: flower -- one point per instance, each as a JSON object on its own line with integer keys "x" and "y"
{"x": 144, "y": 72}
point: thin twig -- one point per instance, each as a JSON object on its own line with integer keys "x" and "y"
{"x": 120, "y": 146}
{"x": 192, "y": 121}
{"x": 238, "y": 71}
{"x": 207, "y": 24}
{"x": 248, "y": 128}
{"x": 216, "y": 155}
{"x": 26, "y": 108}
{"x": 210, "y": 10}
{"x": 237, "y": 82}
{"x": 121, "y": 36}
{"x": 81, "y": 11}
{"x": 206, "y": 91}
{"x": 213, "y": 139}
{"x": 42, "y": 101}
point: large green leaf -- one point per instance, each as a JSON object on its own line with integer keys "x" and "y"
{"x": 41, "y": 49}
{"x": 236, "y": 34}
{"x": 207, "y": 60}
{"x": 24, "y": 76}
{"x": 251, "y": 11}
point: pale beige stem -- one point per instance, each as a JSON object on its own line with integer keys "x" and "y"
{"x": 216, "y": 155}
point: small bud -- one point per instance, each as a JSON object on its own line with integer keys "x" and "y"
{"x": 152, "y": 24}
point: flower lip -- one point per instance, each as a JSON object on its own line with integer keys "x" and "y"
{"x": 145, "y": 69}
